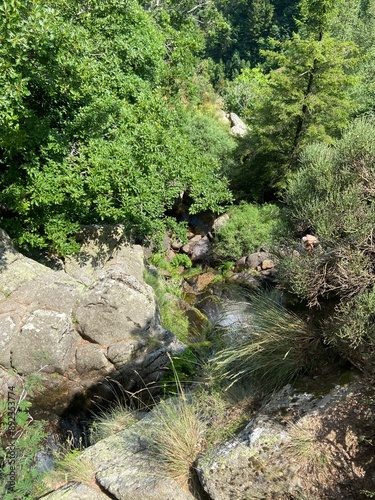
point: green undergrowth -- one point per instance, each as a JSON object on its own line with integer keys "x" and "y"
{"x": 168, "y": 295}
{"x": 174, "y": 311}
{"x": 249, "y": 229}
{"x": 21, "y": 438}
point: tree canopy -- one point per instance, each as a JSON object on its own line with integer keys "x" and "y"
{"x": 91, "y": 127}
{"x": 109, "y": 109}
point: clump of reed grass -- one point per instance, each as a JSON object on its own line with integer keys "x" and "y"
{"x": 177, "y": 435}
{"x": 177, "y": 438}
{"x": 115, "y": 419}
{"x": 268, "y": 348}
{"x": 70, "y": 465}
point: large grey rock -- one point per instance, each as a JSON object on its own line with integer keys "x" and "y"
{"x": 127, "y": 468}
{"x": 73, "y": 330}
{"x": 100, "y": 245}
{"x": 300, "y": 443}
{"x": 117, "y": 307}
{"x": 46, "y": 341}
{"x": 238, "y": 128}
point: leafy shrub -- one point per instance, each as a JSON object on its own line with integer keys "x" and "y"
{"x": 21, "y": 438}
{"x": 245, "y": 92}
{"x": 105, "y": 137}
{"x": 158, "y": 260}
{"x": 351, "y": 330}
{"x": 268, "y": 348}
{"x": 342, "y": 271}
{"x": 248, "y": 230}
{"x": 355, "y": 319}
{"x": 181, "y": 259}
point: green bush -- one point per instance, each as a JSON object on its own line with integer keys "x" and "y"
{"x": 351, "y": 330}
{"x": 332, "y": 196}
{"x": 248, "y": 229}
{"x": 181, "y": 259}
{"x": 92, "y": 128}
{"x": 340, "y": 272}
{"x": 355, "y": 319}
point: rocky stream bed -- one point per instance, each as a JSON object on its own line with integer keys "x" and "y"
{"x": 93, "y": 324}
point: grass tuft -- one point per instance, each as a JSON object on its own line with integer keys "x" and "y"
{"x": 178, "y": 438}
{"x": 268, "y": 348}
{"x": 178, "y": 435}
{"x": 112, "y": 421}
{"x": 70, "y": 466}
{"x": 308, "y": 450}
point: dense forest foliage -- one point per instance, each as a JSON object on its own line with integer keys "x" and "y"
{"x": 109, "y": 108}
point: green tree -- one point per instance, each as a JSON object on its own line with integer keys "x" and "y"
{"x": 307, "y": 98}
{"x": 356, "y": 21}
{"x": 91, "y": 128}
{"x": 246, "y": 26}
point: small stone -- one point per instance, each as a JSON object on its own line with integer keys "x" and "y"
{"x": 267, "y": 264}
{"x": 176, "y": 245}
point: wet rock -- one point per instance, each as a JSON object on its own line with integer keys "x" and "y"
{"x": 201, "y": 250}
{"x": 197, "y": 320}
{"x": 198, "y": 282}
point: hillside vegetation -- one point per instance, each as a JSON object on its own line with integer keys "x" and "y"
{"x": 112, "y": 112}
